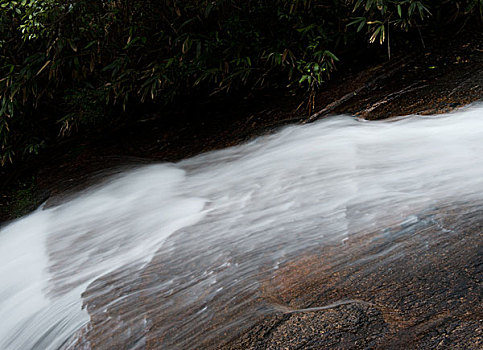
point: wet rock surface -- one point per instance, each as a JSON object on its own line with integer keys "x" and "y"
{"x": 352, "y": 325}
{"x": 415, "y": 284}
{"x": 436, "y": 80}
{"x": 422, "y": 291}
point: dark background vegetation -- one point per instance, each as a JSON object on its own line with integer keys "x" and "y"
{"x": 81, "y": 67}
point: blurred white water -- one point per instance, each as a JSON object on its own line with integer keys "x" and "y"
{"x": 267, "y": 200}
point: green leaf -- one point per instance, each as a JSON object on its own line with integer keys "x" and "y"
{"x": 361, "y": 25}
{"x": 369, "y": 4}
{"x": 375, "y": 34}
{"x": 358, "y": 20}
{"x": 90, "y": 44}
{"x": 331, "y": 55}
{"x": 208, "y": 9}
{"x": 422, "y": 9}
{"x": 411, "y": 8}
{"x": 358, "y": 3}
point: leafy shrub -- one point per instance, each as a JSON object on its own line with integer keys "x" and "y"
{"x": 73, "y": 65}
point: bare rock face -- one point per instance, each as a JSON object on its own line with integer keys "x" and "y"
{"x": 414, "y": 285}
{"x": 351, "y": 325}
{"x": 425, "y": 292}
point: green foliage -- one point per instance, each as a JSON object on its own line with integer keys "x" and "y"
{"x": 378, "y": 16}
{"x": 77, "y": 65}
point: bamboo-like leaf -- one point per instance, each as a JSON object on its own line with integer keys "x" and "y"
{"x": 331, "y": 55}
{"x": 382, "y": 36}
{"x": 356, "y": 6}
{"x": 72, "y": 45}
{"x": 374, "y": 35}
{"x": 411, "y": 8}
{"x": 358, "y": 20}
{"x": 369, "y": 4}
{"x": 361, "y": 25}
{"x": 43, "y": 67}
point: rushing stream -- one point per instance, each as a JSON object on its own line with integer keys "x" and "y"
{"x": 175, "y": 253}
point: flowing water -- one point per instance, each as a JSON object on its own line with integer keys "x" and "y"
{"x": 169, "y": 254}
